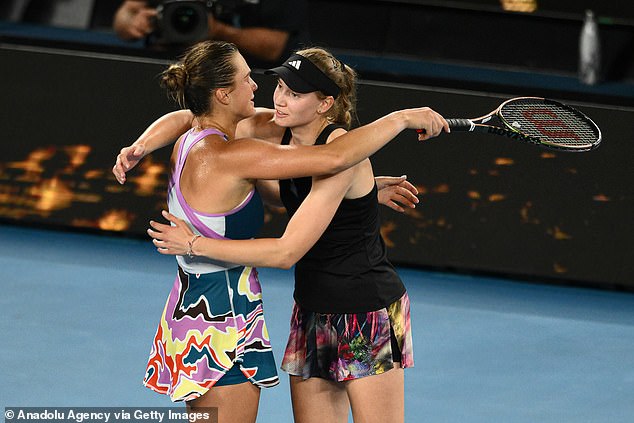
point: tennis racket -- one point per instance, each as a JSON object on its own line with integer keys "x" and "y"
{"x": 540, "y": 121}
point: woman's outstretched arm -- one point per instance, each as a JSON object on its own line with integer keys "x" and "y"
{"x": 162, "y": 132}
{"x": 304, "y": 229}
{"x": 248, "y": 158}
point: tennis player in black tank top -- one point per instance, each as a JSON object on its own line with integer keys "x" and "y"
{"x": 347, "y": 270}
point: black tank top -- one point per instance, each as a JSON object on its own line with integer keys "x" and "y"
{"x": 347, "y": 270}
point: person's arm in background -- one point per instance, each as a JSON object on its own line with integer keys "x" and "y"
{"x": 263, "y": 43}
{"x": 268, "y": 31}
{"x": 266, "y": 41}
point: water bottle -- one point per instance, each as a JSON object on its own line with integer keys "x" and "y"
{"x": 589, "y": 51}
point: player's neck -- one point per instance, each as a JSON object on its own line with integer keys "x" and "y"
{"x": 226, "y": 126}
{"x": 307, "y": 134}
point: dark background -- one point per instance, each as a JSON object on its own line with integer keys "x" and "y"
{"x": 70, "y": 101}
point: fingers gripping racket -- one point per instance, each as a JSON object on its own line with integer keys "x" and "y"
{"x": 540, "y": 121}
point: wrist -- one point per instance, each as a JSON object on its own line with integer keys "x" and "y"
{"x": 144, "y": 146}
{"x": 191, "y": 253}
{"x": 400, "y": 119}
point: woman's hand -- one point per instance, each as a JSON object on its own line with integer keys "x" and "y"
{"x": 394, "y": 190}
{"x": 171, "y": 239}
{"x": 127, "y": 159}
{"x": 426, "y": 121}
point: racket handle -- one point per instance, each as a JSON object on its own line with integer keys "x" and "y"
{"x": 460, "y": 124}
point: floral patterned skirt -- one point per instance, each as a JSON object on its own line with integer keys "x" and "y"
{"x": 343, "y": 347}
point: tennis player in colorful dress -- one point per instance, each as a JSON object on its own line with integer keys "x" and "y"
{"x": 212, "y": 331}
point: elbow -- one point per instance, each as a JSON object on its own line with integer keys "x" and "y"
{"x": 287, "y": 260}
{"x": 339, "y": 163}
{"x": 285, "y": 265}
{"x": 287, "y": 257}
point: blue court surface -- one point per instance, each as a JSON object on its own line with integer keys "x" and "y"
{"x": 80, "y": 310}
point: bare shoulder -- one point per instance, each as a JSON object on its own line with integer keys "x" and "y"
{"x": 336, "y": 133}
{"x": 263, "y": 114}
{"x": 206, "y": 146}
{"x": 357, "y": 180}
{"x": 261, "y": 125}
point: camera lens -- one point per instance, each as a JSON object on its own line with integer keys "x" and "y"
{"x": 180, "y": 22}
{"x": 185, "y": 19}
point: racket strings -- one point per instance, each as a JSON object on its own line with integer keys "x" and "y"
{"x": 552, "y": 123}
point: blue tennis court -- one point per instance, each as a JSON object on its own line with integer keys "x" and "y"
{"x": 80, "y": 312}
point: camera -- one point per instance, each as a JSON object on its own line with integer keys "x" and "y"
{"x": 179, "y": 22}
{"x": 184, "y": 22}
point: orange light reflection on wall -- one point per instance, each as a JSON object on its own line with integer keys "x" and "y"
{"x": 51, "y": 194}
{"x": 525, "y": 6}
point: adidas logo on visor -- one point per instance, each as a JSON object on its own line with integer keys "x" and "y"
{"x": 295, "y": 63}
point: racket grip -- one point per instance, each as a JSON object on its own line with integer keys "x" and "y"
{"x": 460, "y": 124}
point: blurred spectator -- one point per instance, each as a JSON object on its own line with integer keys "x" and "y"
{"x": 265, "y": 31}
{"x": 82, "y": 14}
{"x": 61, "y": 13}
